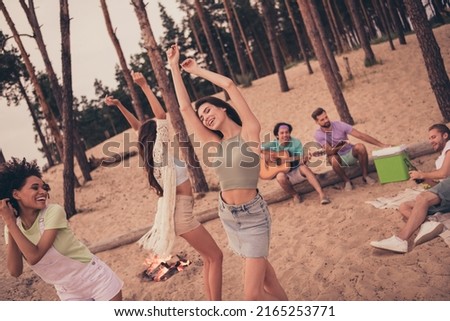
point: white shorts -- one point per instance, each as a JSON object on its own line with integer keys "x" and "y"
{"x": 96, "y": 282}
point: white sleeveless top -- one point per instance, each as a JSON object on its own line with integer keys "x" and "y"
{"x": 181, "y": 172}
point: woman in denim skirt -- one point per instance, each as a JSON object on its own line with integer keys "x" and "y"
{"x": 242, "y": 210}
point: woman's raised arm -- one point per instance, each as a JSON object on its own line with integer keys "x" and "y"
{"x": 189, "y": 115}
{"x": 155, "y": 105}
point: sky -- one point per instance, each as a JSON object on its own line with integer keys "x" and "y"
{"x": 93, "y": 55}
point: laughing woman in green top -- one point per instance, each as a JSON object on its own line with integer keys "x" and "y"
{"x": 242, "y": 210}
{"x": 39, "y": 233}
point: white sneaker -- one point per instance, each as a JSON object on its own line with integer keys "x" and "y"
{"x": 393, "y": 243}
{"x": 428, "y": 231}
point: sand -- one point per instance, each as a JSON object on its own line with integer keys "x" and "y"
{"x": 319, "y": 252}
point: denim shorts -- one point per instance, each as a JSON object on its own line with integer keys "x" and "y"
{"x": 443, "y": 191}
{"x": 247, "y": 226}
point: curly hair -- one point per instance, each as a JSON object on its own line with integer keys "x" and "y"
{"x": 278, "y": 125}
{"x": 13, "y": 175}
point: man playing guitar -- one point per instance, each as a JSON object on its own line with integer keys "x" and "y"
{"x": 284, "y": 160}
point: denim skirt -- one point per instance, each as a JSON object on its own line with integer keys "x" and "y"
{"x": 247, "y": 226}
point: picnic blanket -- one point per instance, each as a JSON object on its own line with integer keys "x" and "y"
{"x": 410, "y": 194}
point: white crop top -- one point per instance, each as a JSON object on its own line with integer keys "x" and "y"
{"x": 181, "y": 172}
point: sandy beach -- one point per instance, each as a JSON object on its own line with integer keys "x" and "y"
{"x": 320, "y": 252}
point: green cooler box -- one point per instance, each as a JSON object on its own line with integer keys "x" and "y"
{"x": 391, "y": 164}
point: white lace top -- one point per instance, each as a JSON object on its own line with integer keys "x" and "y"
{"x": 161, "y": 237}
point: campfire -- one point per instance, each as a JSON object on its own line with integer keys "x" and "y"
{"x": 162, "y": 269}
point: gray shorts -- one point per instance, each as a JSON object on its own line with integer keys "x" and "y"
{"x": 247, "y": 226}
{"x": 295, "y": 176}
{"x": 348, "y": 159}
{"x": 443, "y": 191}
{"x": 184, "y": 217}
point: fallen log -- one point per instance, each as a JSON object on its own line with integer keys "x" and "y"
{"x": 118, "y": 241}
{"x": 326, "y": 179}
{"x": 95, "y": 162}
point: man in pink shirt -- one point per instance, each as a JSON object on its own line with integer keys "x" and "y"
{"x": 333, "y": 136}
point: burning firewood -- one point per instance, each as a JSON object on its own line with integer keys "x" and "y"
{"x": 158, "y": 270}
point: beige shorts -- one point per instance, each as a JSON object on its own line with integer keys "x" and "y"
{"x": 295, "y": 176}
{"x": 184, "y": 216}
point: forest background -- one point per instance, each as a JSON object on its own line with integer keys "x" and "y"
{"x": 242, "y": 39}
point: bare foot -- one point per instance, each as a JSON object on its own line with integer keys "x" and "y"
{"x": 297, "y": 198}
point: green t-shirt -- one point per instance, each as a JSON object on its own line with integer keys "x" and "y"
{"x": 294, "y": 147}
{"x": 65, "y": 242}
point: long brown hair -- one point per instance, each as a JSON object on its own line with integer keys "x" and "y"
{"x": 147, "y": 137}
{"x": 219, "y": 103}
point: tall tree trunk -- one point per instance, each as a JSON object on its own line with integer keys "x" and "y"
{"x": 437, "y": 8}
{"x": 431, "y": 53}
{"x": 341, "y": 26}
{"x": 372, "y": 33}
{"x": 2, "y": 157}
{"x": 274, "y": 48}
{"x": 268, "y": 66}
{"x": 209, "y": 39}
{"x": 282, "y": 49}
{"x": 245, "y": 40}
{"x": 169, "y": 97}
{"x": 398, "y": 24}
{"x": 298, "y": 36}
{"x": 369, "y": 59}
{"x": 41, "y": 136}
{"x": 235, "y": 37}
{"x": 40, "y": 94}
{"x": 402, "y": 11}
{"x": 194, "y": 31}
{"x": 326, "y": 44}
{"x": 333, "y": 26}
{"x": 381, "y": 15}
{"x": 66, "y": 64}
{"x": 330, "y": 79}
{"x": 55, "y": 87}
{"x": 225, "y": 55}
{"x": 123, "y": 63}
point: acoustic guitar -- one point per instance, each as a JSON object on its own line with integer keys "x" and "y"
{"x": 281, "y": 163}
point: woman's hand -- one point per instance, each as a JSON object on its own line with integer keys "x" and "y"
{"x": 7, "y": 212}
{"x": 111, "y": 101}
{"x": 139, "y": 79}
{"x": 173, "y": 55}
{"x": 190, "y": 65}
